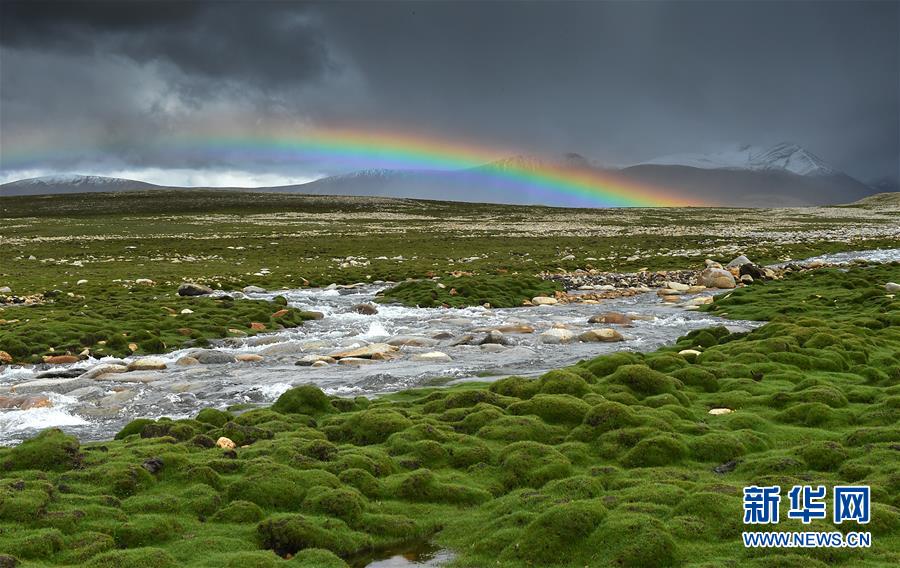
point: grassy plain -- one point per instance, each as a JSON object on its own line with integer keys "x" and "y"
{"x": 612, "y": 462}
{"x": 233, "y": 239}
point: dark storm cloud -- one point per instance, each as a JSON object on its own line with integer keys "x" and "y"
{"x": 266, "y": 43}
{"x": 618, "y": 81}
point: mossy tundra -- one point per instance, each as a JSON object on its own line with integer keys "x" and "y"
{"x": 123, "y": 320}
{"x": 611, "y": 462}
{"x": 508, "y": 291}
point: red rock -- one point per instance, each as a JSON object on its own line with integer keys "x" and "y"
{"x": 280, "y": 313}
{"x": 5, "y": 357}
{"x": 257, "y": 326}
{"x": 60, "y": 359}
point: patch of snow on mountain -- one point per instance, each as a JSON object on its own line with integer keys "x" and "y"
{"x": 781, "y": 157}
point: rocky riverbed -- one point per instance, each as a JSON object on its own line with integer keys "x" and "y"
{"x": 358, "y": 351}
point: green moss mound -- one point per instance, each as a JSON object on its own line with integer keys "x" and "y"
{"x": 498, "y": 291}
{"x": 613, "y": 462}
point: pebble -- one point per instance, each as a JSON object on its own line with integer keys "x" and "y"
{"x": 187, "y": 361}
{"x": 145, "y": 282}
{"x": 24, "y": 402}
{"x": 355, "y": 361}
{"x": 601, "y": 335}
{"x": 225, "y": 443}
{"x": 212, "y": 357}
{"x": 614, "y": 318}
{"x": 319, "y": 364}
{"x": 147, "y": 364}
{"x": 720, "y": 411}
{"x": 191, "y": 289}
{"x": 365, "y": 309}
{"x": 103, "y": 369}
{"x": 492, "y": 348}
{"x": 249, "y": 358}
{"x": 411, "y": 341}
{"x": 544, "y": 301}
{"x": 555, "y": 336}
{"x": 60, "y": 359}
{"x": 678, "y": 286}
{"x": 253, "y": 290}
{"x": 366, "y": 351}
{"x": 311, "y": 360}
{"x": 892, "y": 287}
{"x": 432, "y": 357}
{"x": 716, "y": 278}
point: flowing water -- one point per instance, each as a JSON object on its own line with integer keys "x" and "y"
{"x": 96, "y": 410}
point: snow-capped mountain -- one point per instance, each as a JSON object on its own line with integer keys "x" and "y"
{"x": 72, "y": 183}
{"x": 781, "y": 157}
{"x": 746, "y": 176}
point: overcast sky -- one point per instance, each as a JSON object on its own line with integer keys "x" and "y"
{"x": 88, "y": 86}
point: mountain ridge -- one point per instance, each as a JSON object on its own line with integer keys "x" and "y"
{"x": 781, "y": 175}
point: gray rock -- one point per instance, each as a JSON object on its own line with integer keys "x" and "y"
{"x": 432, "y": 357}
{"x": 494, "y": 336}
{"x": 365, "y": 309}
{"x": 62, "y": 373}
{"x": 212, "y": 357}
{"x": 253, "y": 290}
{"x": 557, "y": 335}
{"x": 493, "y": 348}
{"x": 281, "y": 349}
{"x": 60, "y": 386}
{"x": 5, "y": 290}
{"x": 466, "y": 339}
{"x": 412, "y": 341}
{"x": 191, "y": 289}
{"x": 892, "y": 287}
{"x": 716, "y": 278}
{"x": 103, "y": 369}
{"x": 738, "y": 262}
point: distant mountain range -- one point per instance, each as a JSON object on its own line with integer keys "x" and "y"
{"x": 747, "y": 176}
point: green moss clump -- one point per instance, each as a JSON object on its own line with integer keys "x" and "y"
{"x": 655, "y": 451}
{"x": 150, "y": 556}
{"x": 553, "y": 408}
{"x": 290, "y": 533}
{"x": 556, "y": 533}
{"x": 642, "y": 380}
{"x": 214, "y": 417}
{"x": 278, "y": 487}
{"x": 238, "y": 512}
{"x": 343, "y": 503}
{"x": 531, "y": 464}
{"x": 134, "y": 427}
{"x": 305, "y": 399}
{"x": 372, "y": 426}
{"x": 317, "y": 558}
{"x": 607, "y": 364}
{"x": 716, "y": 447}
{"x": 498, "y": 291}
{"x": 51, "y": 450}
{"x": 632, "y": 540}
{"x": 518, "y": 387}
{"x": 563, "y": 381}
{"x": 824, "y": 456}
{"x": 146, "y": 530}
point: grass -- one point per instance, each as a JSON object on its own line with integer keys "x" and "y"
{"x": 498, "y": 291}
{"x": 609, "y": 462}
{"x": 229, "y": 240}
{"x": 121, "y": 320}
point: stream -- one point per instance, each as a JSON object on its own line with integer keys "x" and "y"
{"x": 97, "y": 409}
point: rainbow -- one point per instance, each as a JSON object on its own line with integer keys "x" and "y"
{"x": 360, "y": 148}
